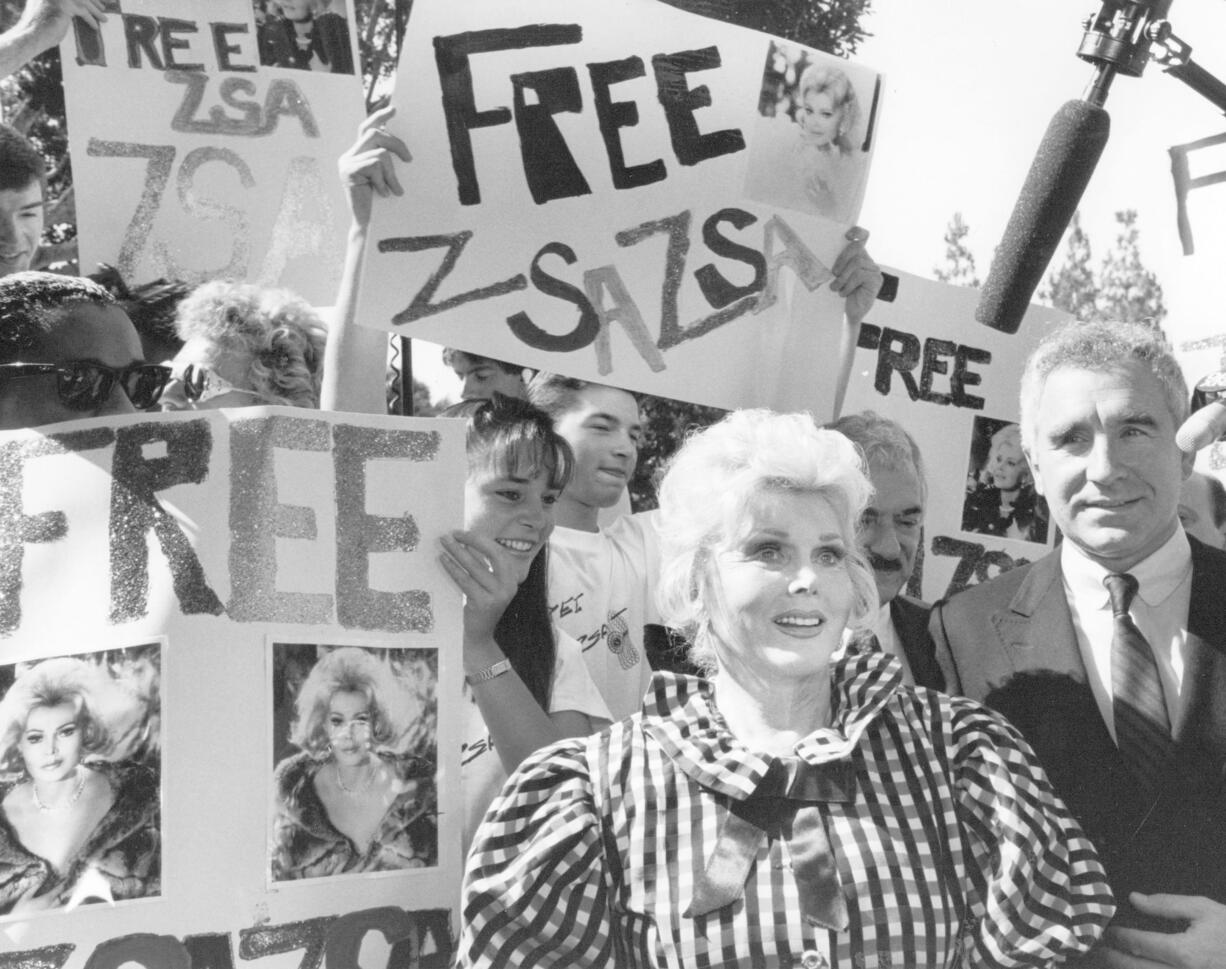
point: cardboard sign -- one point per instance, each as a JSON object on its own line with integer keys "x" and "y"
{"x": 624, "y": 192}
{"x": 953, "y": 384}
{"x": 248, "y": 608}
{"x": 1199, "y": 180}
{"x": 204, "y": 144}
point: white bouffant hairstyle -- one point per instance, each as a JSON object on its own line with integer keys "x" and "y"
{"x": 705, "y": 492}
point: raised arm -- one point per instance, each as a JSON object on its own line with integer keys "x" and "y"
{"x": 858, "y": 279}
{"x": 355, "y": 358}
{"x": 42, "y": 25}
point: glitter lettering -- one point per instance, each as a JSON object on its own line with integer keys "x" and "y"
{"x": 359, "y": 534}
{"x": 257, "y": 520}
{"x": 135, "y": 510}
{"x": 17, "y": 529}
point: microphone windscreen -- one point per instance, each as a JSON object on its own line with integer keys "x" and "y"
{"x": 1058, "y": 176}
{"x": 1203, "y": 428}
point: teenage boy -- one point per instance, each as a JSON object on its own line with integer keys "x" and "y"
{"x": 602, "y": 581}
{"x": 482, "y": 377}
{"x": 22, "y": 174}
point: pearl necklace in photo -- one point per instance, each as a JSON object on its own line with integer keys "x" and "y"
{"x": 66, "y": 802}
{"x": 360, "y": 788}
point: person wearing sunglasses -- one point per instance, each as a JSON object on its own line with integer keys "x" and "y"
{"x": 67, "y": 351}
{"x": 245, "y": 346}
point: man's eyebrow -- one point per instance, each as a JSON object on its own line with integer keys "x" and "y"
{"x": 1139, "y": 418}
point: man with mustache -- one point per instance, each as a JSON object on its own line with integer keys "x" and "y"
{"x": 1109, "y": 653}
{"x": 890, "y": 534}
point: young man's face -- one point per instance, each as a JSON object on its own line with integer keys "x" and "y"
{"x": 21, "y": 226}
{"x": 101, "y": 334}
{"x": 603, "y": 429}
{"x": 483, "y": 378}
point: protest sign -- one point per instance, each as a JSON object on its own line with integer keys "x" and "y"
{"x": 250, "y": 607}
{"x": 1199, "y": 180}
{"x": 204, "y": 144}
{"x": 953, "y": 384}
{"x": 618, "y": 191}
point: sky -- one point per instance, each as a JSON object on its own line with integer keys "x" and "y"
{"x": 970, "y": 88}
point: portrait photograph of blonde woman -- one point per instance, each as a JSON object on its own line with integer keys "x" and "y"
{"x": 355, "y": 756}
{"x": 80, "y": 767}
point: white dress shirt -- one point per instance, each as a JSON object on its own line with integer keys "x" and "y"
{"x": 1160, "y": 610}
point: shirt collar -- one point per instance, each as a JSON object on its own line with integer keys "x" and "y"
{"x": 1158, "y": 576}
{"x": 680, "y": 713}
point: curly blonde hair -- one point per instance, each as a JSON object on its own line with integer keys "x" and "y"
{"x": 278, "y": 331}
{"x": 352, "y": 669}
{"x": 711, "y": 482}
{"x": 65, "y": 680}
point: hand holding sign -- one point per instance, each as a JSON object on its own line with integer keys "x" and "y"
{"x": 486, "y": 573}
{"x": 857, "y": 278}
{"x": 368, "y": 167}
{"x": 43, "y": 24}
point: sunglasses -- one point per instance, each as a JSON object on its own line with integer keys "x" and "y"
{"x": 201, "y": 384}
{"x": 84, "y": 385}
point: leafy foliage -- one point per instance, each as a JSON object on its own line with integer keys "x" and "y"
{"x": 959, "y": 269}
{"x": 1121, "y": 289}
{"x": 832, "y": 26}
{"x": 381, "y": 25}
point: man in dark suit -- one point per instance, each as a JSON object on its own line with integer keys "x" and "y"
{"x": 890, "y": 535}
{"x": 1110, "y": 652}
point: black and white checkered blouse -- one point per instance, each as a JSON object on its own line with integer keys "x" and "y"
{"x": 953, "y": 851}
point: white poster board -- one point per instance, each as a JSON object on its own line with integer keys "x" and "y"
{"x": 195, "y": 158}
{"x": 209, "y": 569}
{"x": 1199, "y": 187}
{"x": 614, "y": 189}
{"x": 925, "y": 362}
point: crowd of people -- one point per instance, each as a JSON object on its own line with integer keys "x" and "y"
{"x": 1028, "y": 773}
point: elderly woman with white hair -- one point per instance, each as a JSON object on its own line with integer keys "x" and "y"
{"x": 800, "y": 806}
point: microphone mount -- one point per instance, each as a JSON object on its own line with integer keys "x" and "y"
{"x": 1117, "y": 41}
{"x": 1126, "y": 34}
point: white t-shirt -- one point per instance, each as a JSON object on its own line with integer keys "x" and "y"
{"x": 602, "y": 591}
{"x": 481, "y": 773}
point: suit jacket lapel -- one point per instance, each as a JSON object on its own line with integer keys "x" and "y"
{"x": 1036, "y": 630}
{"x": 1203, "y": 718}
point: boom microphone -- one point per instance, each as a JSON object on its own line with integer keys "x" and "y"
{"x": 1058, "y": 176}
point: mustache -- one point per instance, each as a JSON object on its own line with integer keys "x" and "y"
{"x": 880, "y": 563}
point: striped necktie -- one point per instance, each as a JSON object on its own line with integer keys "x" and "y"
{"x": 1142, "y": 728}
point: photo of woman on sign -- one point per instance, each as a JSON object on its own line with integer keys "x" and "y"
{"x": 304, "y": 34}
{"x": 809, "y": 147}
{"x": 1000, "y": 493}
{"x": 79, "y": 804}
{"x": 359, "y": 793}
